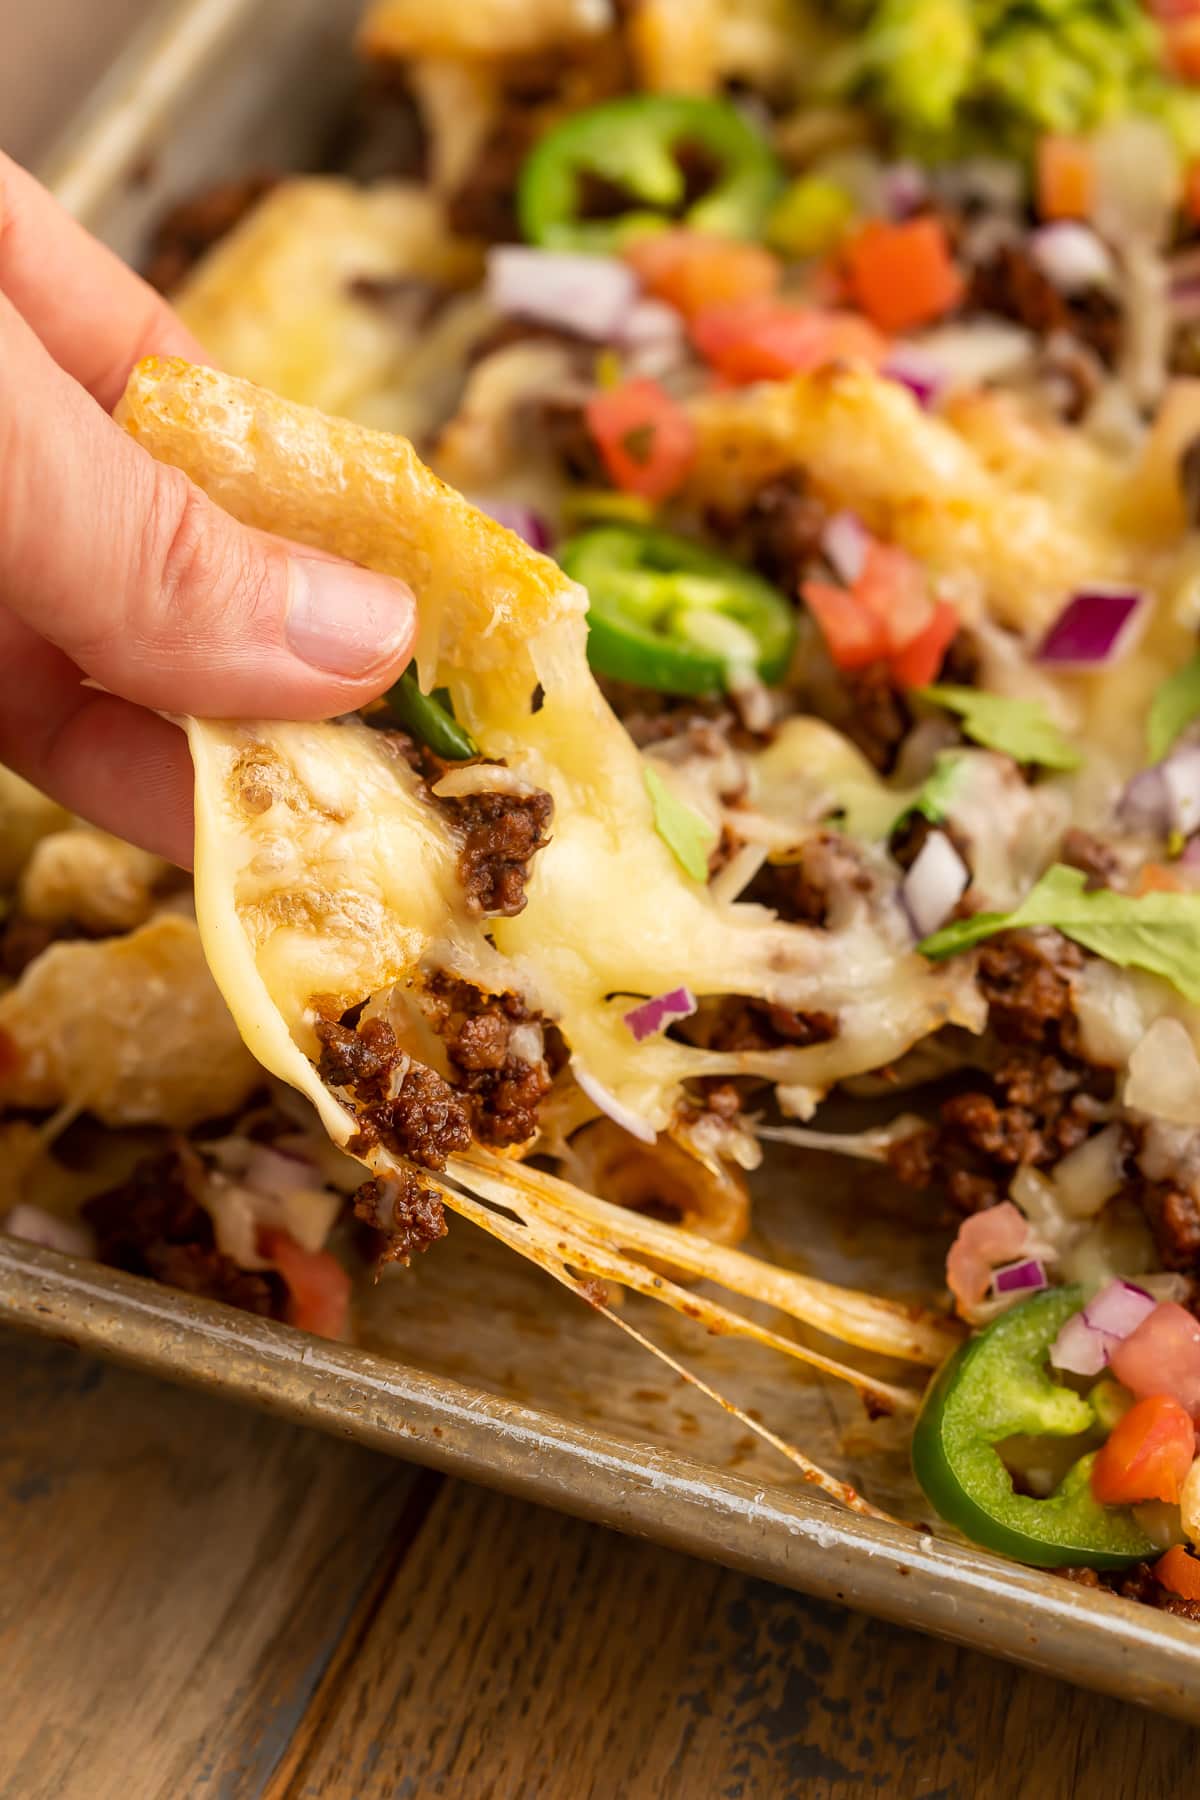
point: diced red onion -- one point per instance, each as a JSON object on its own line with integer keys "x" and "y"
{"x": 1166, "y": 797}
{"x": 608, "y": 1103}
{"x": 1145, "y": 803}
{"x": 1119, "y": 1308}
{"x": 1088, "y": 1339}
{"x": 845, "y": 541}
{"x": 1078, "y": 1350}
{"x": 934, "y": 885}
{"x": 589, "y": 296}
{"x": 904, "y": 186}
{"x": 34, "y": 1225}
{"x": 1013, "y": 1278}
{"x": 1071, "y": 256}
{"x": 920, "y": 374}
{"x": 522, "y": 519}
{"x": 1181, "y": 776}
{"x": 1092, "y": 629}
{"x": 653, "y": 1015}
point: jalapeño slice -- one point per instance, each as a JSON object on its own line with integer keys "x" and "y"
{"x": 667, "y": 614}
{"x": 640, "y": 162}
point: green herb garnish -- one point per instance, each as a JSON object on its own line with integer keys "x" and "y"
{"x": 688, "y": 836}
{"x": 1156, "y": 931}
{"x": 1022, "y": 729}
{"x": 1175, "y": 704}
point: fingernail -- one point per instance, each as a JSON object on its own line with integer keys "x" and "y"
{"x": 347, "y": 621}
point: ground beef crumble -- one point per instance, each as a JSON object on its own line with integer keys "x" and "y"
{"x": 504, "y": 1089}
{"x": 407, "y": 1216}
{"x": 152, "y": 1224}
{"x": 1026, "y": 1111}
{"x": 1010, "y": 284}
{"x": 501, "y": 834}
{"x": 403, "y": 1105}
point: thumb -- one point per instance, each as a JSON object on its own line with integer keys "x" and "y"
{"x": 153, "y": 590}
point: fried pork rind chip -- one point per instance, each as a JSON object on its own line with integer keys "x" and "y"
{"x": 85, "y": 877}
{"x": 25, "y": 816}
{"x": 132, "y": 1029}
{"x": 319, "y": 292}
{"x": 481, "y": 28}
{"x": 1017, "y": 517}
{"x": 326, "y": 877}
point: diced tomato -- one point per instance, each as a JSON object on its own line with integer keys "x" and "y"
{"x": 1162, "y": 1357}
{"x": 895, "y": 589}
{"x": 768, "y": 340}
{"x": 903, "y": 275}
{"x": 1179, "y": 1572}
{"x": 647, "y": 441}
{"x": 1183, "y": 48}
{"x": 1147, "y": 1455}
{"x": 1157, "y": 878}
{"x": 853, "y": 633}
{"x": 691, "y": 269}
{"x": 318, "y": 1286}
{"x": 1065, "y": 178}
{"x": 921, "y": 659}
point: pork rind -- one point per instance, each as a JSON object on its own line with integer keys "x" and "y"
{"x": 481, "y": 28}
{"x": 325, "y": 293}
{"x": 131, "y": 1029}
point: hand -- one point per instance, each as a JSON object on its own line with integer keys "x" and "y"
{"x": 117, "y": 568}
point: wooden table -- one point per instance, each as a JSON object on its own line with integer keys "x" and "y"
{"x": 197, "y": 1603}
{"x": 200, "y": 1604}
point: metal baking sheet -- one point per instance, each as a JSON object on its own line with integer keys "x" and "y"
{"x": 473, "y": 1362}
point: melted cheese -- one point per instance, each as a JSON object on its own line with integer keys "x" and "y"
{"x": 322, "y": 871}
{"x": 279, "y": 300}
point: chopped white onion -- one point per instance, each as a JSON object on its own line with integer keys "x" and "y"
{"x": 479, "y": 778}
{"x": 653, "y": 339}
{"x": 1071, "y": 256}
{"x": 590, "y": 296}
{"x": 965, "y": 356}
{"x": 34, "y": 1225}
{"x": 527, "y": 1042}
{"x": 1164, "y": 1075}
{"x": 935, "y": 884}
{"x": 1088, "y": 1176}
{"x": 608, "y": 1103}
{"x": 845, "y": 542}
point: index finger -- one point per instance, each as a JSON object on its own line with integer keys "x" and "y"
{"x": 94, "y": 315}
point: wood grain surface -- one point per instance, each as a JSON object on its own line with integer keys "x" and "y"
{"x": 198, "y": 1603}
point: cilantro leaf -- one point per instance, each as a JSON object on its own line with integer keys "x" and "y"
{"x": 1175, "y": 704}
{"x": 1022, "y": 729}
{"x": 1156, "y": 931}
{"x": 688, "y": 836}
